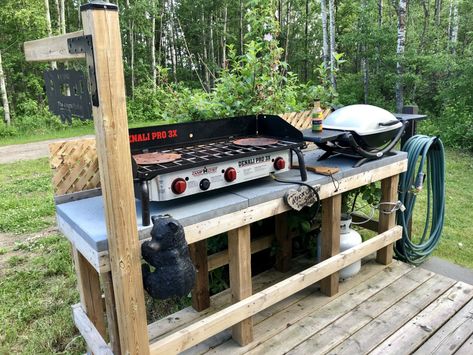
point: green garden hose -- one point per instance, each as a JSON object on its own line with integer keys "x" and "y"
{"x": 427, "y": 153}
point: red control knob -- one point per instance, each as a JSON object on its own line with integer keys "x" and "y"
{"x": 279, "y": 163}
{"x": 179, "y": 186}
{"x": 230, "y": 174}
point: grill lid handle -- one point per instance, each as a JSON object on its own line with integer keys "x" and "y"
{"x": 388, "y": 123}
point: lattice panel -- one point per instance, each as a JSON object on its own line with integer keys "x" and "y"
{"x": 75, "y": 166}
{"x": 302, "y": 120}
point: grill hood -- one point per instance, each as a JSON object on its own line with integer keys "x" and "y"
{"x": 363, "y": 120}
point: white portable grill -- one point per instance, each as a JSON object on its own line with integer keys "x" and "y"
{"x": 362, "y": 131}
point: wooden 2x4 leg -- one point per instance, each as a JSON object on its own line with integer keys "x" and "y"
{"x": 239, "y": 251}
{"x": 389, "y": 190}
{"x": 331, "y": 213}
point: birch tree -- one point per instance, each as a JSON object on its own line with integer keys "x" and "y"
{"x": 323, "y": 13}
{"x": 153, "y": 43}
{"x": 3, "y": 90}
{"x": 49, "y": 27}
{"x": 401, "y": 39}
{"x": 454, "y": 22}
{"x": 364, "y": 59}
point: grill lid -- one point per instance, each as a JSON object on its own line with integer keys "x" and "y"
{"x": 362, "y": 119}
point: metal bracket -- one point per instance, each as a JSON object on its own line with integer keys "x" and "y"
{"x": 84, "y": 44}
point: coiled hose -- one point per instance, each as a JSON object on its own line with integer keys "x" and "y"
{"x": 432, "y": 161}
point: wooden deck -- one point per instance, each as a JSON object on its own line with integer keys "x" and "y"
{"x": 397, "y": 309}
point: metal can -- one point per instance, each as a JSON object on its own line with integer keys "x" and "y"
{"x": 317, "y": 124}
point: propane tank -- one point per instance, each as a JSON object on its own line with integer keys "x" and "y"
{"x": 348, "y": 239}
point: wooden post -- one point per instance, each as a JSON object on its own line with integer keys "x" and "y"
{"x": 284, "y": 243}
{"x": 239, "y": 251}
{"x": 200, "y": 292}
{"x": 100, "y": 20}
{"x": 331, "y": 210}
{"x": 88, "y": 283}
{"x": 111, "y": 311}
{"x": 387, "y": 221}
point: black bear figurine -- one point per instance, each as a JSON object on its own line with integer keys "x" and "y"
{"x": 168, "y": 252}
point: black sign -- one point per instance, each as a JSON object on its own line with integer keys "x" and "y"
{"x": 67, "y": 94}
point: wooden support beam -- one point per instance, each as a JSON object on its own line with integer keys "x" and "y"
{"x": 331, "y": 210}
{"x": 371, "y": 225}
{"x": 111, "y": 311}
{"x": 88, "y": 283}
{"x": 221, "y": 258}
{"x": 94, "y": 340}
{"x": 217, "y": 322}
{"x": 239, "y": 250}
{"x": 389, "y": 188}
{"x": 200, "y": 292}
{"x": 284, "y": 243}
{"x": 113, "y": 151}
{"x": 51, "y": 48}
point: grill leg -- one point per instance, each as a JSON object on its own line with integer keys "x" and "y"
{"x": 145, "y": 217}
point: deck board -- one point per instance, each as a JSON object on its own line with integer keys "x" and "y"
{"x": 319, "y": 318}
{"x": 383, "y": 326}
{"x": 278, "y": 318}
{"x": 420, "y": 328}
{"x": 346, "y": 325}
{"x": 466, "y": 348}
{"x": 452, "y": 335}
{"x": 396, "y": 309}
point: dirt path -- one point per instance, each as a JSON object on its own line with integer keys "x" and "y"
{"x": 29, "y": 151}
{"x": 8, "y": 242}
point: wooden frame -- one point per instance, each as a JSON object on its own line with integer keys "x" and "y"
{"x": 119, "y": 268}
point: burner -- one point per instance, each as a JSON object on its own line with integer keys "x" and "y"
{"x": 256, "y": 141}
{"x": 155, "y": 158}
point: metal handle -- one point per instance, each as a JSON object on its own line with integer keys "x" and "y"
{"x": 389, "y": 123}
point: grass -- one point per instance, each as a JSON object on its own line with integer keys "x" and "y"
{"x": 37, "y": 137}
{"x": 37, "y": 280}
{"x": 26, "y": 199}
{"x": 456, "y": 244}
{"x": 36, "y": 292}
{"x": 67, "y": 132}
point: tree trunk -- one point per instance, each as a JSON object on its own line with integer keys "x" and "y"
{"x": 401, "y": 38}
{"x": 212, "y": 51}
{"x": 131, "y": 40}
{"x": 380, "y": 13}
{"x": 425, "y": 6}
{"x": 438, "y": 8}
{"x": 242, "y": 44}
{"x": 204, "y": 60}
{"x": 333, "y": 50}
{"x": 325, "y": 55}
{"x": 160, "y": 44}
{"x": 173, "y": 43}
{"x": 288, "y": 29}
{"x": 306, "y": 42}
{"x": 49, "y": 27}
{"x": 224, "y": 38}
{"x": 280, "y": 14}
{"x": 3, "y": 90}
{"x": 453, "y": 38}
{"x": 364, "y": 59}
{"x": 153, "y": 43}
{"x": 58, "y": 12}
{"x": 380, "y": 25}
{"x": 63, "y": 17}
